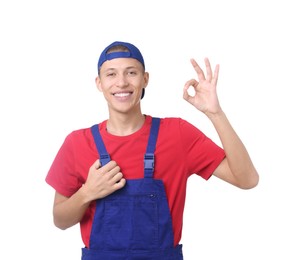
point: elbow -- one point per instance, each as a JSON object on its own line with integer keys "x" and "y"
{"x": 62, "y": 223}
{"x": 59, "y": 225}
{"x": 251, "y": 182}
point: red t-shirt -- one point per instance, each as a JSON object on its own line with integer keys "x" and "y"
{"x": 181, "y": 151}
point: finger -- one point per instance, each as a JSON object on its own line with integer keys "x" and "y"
{"x": 185, "y": 94}
{"x": 107, "y": 167}
{"x": 96, "y": 165}
{"x": 110, "y": 165}
{"x": 215, "y": 76}
{"x": 117, "y": 177}
{"x": 120, "y": 184}
{"x": 208, "y": 69}
{"x": 188, "y": 98}
{"x": 112, "y": 172}
{"x": 189, "y": 83}
{"x": 198, "y": 69}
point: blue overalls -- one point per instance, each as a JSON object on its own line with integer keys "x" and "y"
{"x": 133, "y": 223}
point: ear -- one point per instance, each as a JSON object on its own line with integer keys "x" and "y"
{"x": 98, "y": 83}
{"x": 146, "y": 79}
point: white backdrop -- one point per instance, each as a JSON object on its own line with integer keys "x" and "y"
{"x": 49, "y": 52}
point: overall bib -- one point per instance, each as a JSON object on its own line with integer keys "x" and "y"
{"x": 133, "y": 223}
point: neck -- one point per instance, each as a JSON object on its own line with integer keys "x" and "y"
{"x": 123, "y": 125}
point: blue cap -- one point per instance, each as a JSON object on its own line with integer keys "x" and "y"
{"x": 132, "y": 53}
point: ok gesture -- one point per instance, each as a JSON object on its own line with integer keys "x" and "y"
{"x": 205, "y": 98}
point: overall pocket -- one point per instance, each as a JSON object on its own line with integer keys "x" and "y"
{"x": 145, "y": 222}
{"x": 131, "y": 223}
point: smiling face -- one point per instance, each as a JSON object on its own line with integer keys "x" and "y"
{"x": 121, "y": 80}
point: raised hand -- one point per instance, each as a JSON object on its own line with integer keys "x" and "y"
{"x": 205, "y": 98}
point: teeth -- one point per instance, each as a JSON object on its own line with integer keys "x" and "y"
{"x": 121, "y": 94}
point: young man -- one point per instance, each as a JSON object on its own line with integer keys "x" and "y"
{"x": 124, "y": 179}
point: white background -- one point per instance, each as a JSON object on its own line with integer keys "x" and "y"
{"x": 48, "y": 56}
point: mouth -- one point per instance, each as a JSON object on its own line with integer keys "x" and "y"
{"x": 122, "y": 94}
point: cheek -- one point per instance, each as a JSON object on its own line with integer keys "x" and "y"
{"x": 104, "y": 86}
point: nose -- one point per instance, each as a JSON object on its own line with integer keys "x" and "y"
{"x": 121, "y": 81}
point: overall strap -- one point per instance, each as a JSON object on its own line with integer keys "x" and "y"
{"x": 102, "y": 151}
{"x": 149, "y": 157}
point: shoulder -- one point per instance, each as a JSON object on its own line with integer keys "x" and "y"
{"x": 81, "y": 135}
{"x": 177, "y": 126}
{"x": 171, "y": 120}
{"x": 175, "y": 123}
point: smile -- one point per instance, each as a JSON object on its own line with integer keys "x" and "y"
{"x": 122, "y": 94}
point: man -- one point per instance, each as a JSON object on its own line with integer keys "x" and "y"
{"x": 124, "y": 180}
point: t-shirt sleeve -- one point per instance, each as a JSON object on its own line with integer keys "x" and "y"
{"x": 202, "y": 154}
{"x": 61, "y": 175}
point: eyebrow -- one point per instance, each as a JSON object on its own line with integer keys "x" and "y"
{"x": 127, "y": 68}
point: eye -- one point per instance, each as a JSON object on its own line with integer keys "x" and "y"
{"x": 132, "y": 72}
{"x": 112, "y": 74}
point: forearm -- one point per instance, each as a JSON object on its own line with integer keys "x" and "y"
{"x": 237, "y": 155}
{"x": 69, "y": 211}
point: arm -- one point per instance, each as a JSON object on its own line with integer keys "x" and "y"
{"x": 237, "y": 168}
{"x": 101, "y": 182}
